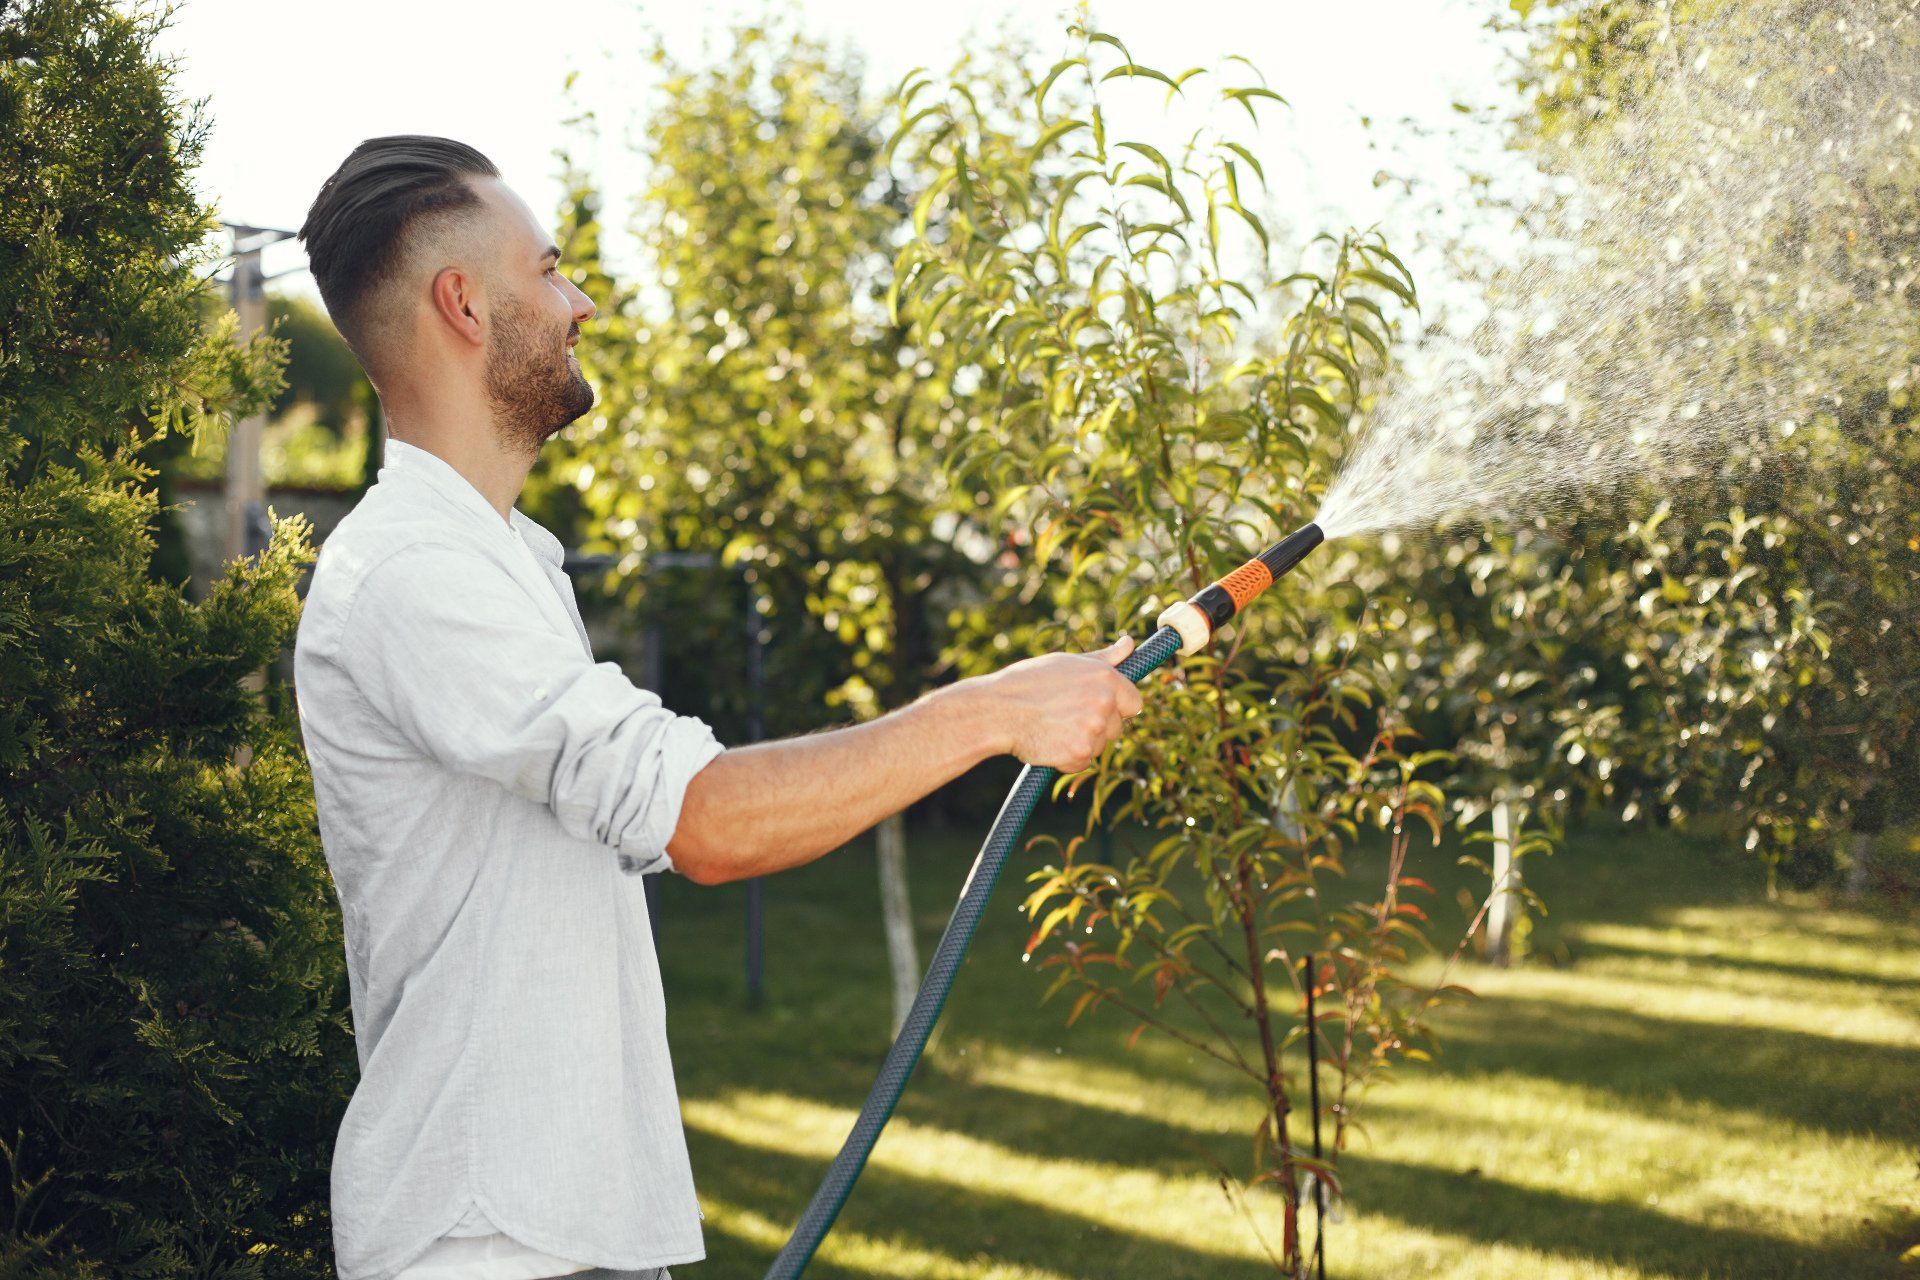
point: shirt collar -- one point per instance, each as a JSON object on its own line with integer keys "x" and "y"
{"x": 401, "y": 458}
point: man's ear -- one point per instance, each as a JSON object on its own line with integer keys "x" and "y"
{"x": 455, "y": 303}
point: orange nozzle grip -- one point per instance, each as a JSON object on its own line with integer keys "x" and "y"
{"x": 1246, "y": 582}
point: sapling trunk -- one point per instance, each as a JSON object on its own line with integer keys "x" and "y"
{"x": 1504, "y": 915}
{"x": 1276, "y": 1081}
{"x": 1860, "y": 872}
{"x": 896, "y": 911}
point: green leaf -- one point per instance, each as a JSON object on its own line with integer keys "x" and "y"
{"x": 1052, "y": 135}
{"x": 1245, "y": 98}
{"x": 1101, "y": 37}
{"x": 923, "y": 207}
{"x": 1059, "y": 69}
{"x": 1135, "y": 70}
{"x": 1252, "y": 163}
{"x": 900, "y": 134}
{"x": 1387, "y": 282}
{"x": 1154, "y": 228}
{"x": 1060, "y": 197}
{"x": 1151, "y": 154}
{"x": 1381, "y": 251}
{"x": 1259, "y": 228}
{"x": 1154, "y": 182}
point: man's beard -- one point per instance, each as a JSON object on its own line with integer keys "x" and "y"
{"x": 534, "y": 388}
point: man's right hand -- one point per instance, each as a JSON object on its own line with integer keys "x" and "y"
{"x": 1061, "y": 710}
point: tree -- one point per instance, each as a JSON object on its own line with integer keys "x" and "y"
{"x": 174, "y": 1047}
{"x": 1138, "y": 448}
{"x": 759, "y": 405}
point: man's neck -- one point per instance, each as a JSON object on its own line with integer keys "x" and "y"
{"x": 497, "y": 474}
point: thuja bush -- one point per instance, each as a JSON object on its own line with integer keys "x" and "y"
{"x": 174, "y": 1044}
{"x": 1139, "y": 445}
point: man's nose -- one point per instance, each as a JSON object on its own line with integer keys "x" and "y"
{"x": 583, "y": 308}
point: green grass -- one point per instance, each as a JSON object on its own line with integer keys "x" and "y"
{"x": 1686, "y": 1081}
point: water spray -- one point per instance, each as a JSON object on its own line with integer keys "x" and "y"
{"x": 1183, "y": 629}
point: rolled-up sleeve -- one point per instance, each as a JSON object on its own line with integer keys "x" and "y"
{"x": 445, "y": 644}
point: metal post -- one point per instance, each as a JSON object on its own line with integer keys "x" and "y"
{"x": 246, "y": 494}
{"x": 756, "y": 730}
{"x": 246, "y": 487}
{"x": 651, "y": 665}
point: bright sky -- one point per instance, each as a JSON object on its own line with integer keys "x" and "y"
{"x": 296, "y": 84}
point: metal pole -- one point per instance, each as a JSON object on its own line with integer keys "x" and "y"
{"x": 246, "y": 487}
{"x": 246, "y": 494}
{"x": 756, "y": 730}
{"x": 651, "y": 665}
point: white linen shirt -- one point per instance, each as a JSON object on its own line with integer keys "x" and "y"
{"x": 489, "y": 798}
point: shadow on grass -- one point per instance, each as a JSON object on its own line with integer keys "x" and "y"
{"x": 964, "y": 1224}
{"x": 942, "y": 1217}
{"x": 1821, "y": 1082}
{"x": 1632, "y": 1235}
{"x": 1904, "y": 990}
{"x": 1069, "y": 1130}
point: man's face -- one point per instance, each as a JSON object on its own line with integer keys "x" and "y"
{"x": 531, "y": 375}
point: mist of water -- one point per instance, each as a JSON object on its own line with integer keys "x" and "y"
{"x": 1716, "y": 259}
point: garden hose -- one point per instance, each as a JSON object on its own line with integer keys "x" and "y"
{"x": 1183, "y": 629}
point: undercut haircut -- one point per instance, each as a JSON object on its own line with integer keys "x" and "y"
{"x": 372, "y": 212}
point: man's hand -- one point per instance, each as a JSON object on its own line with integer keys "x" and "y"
{"x": 1063, "y": 709}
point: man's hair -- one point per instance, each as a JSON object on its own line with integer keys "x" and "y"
{"x": 372, "y": 212}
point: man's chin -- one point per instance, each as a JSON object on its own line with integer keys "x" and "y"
{"x": 580, "y": 400}
{"x": 583, "y": 395}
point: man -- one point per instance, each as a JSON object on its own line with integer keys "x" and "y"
{"x": 490, "y": 797}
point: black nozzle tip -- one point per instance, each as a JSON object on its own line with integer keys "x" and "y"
{"x": 1283, "y": 555}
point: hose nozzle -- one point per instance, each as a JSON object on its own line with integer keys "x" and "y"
{"x": 1213, "y": 606}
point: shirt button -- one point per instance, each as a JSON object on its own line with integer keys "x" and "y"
{"x": 540, "y": 694}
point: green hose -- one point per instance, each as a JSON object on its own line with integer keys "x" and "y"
{"x": 1028, "y": 790}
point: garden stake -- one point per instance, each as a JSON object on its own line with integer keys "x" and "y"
{"x": 1313, "y": 1096}
{"x": 1183, "y": 629}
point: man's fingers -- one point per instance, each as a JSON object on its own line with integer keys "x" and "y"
{"x": 1117, "y": 652}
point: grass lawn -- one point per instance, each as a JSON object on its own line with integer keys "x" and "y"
{"x": 1686, "y": 1081}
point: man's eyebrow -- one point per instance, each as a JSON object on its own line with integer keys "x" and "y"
{"x": 551, "y": 251}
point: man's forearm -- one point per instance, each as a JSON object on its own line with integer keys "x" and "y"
{"x": 759, "y": 809}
